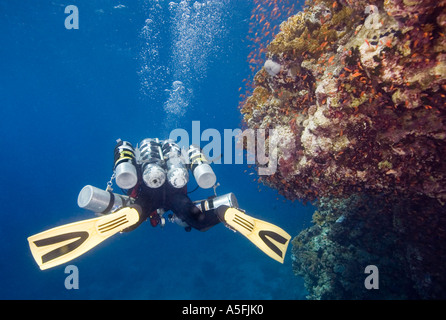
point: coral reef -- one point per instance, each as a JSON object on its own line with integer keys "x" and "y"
{"x": 364, "y": 95}
{"x": 360, "y": 98}
{"x": 362, "y": 230}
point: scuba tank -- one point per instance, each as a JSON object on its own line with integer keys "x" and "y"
{"x": 174, "y": 219}
{"x": 101, "y": 201}
{"x": 203, "y": 173}
{"x": 124, "y": 165}
{"x": 214, "y": 202}
{"x": 152, "y": 163}
{"x": 158, "y": 161}
{"x": 210, "y": 203}
{"x": 177, "y": 174}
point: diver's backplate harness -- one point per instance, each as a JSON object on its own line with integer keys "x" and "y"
{"x": 153, "y": 162}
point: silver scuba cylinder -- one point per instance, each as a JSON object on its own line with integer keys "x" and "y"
{"x": 174, "y": 219}
{"x": 101, "y": 201}
{"x": 228, "y": 199}
{"x": 151, "y": 158}
{"x": 177, "y": 174}
{"x": 124, "y": 165}
{"x": 203, "y": 173}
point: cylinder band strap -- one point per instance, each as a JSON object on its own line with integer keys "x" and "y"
{"x": 110, "y": 203}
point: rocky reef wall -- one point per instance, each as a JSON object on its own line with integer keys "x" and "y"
{"x": 357, "y": 90}
{"x": 403, "y": 238}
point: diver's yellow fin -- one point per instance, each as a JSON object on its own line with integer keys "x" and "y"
{"x": 267, "y": 237}
{"x": 62, "y": 244}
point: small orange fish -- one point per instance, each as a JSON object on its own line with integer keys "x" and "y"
{"x": 357, "y": 74}
{"x": 331, "y": 59}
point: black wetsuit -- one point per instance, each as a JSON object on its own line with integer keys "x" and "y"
{"x": 176, "y": 200}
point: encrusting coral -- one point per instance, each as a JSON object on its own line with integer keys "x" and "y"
{"x": 363, "y": 94}
{"x": 403, "y": 238}
{"x": 360, "y": 99}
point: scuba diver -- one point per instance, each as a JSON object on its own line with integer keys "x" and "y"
{"x": 141, "y": 173}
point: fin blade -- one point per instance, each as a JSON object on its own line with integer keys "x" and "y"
{"x": 59, "y": 245}
{"x": 269, "y": 238}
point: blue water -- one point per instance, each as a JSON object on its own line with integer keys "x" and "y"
{"x": 133, "y": 69}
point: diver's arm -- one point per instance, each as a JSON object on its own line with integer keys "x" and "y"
{"x": 186, "y": 210}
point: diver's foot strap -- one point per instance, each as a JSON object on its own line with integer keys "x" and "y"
{"x": 267, "y": 237}
{"x": 62, "y": 244}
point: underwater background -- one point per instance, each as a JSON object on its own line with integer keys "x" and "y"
{"x": 133, "y": 69}
{"x": 354, "y": 93}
